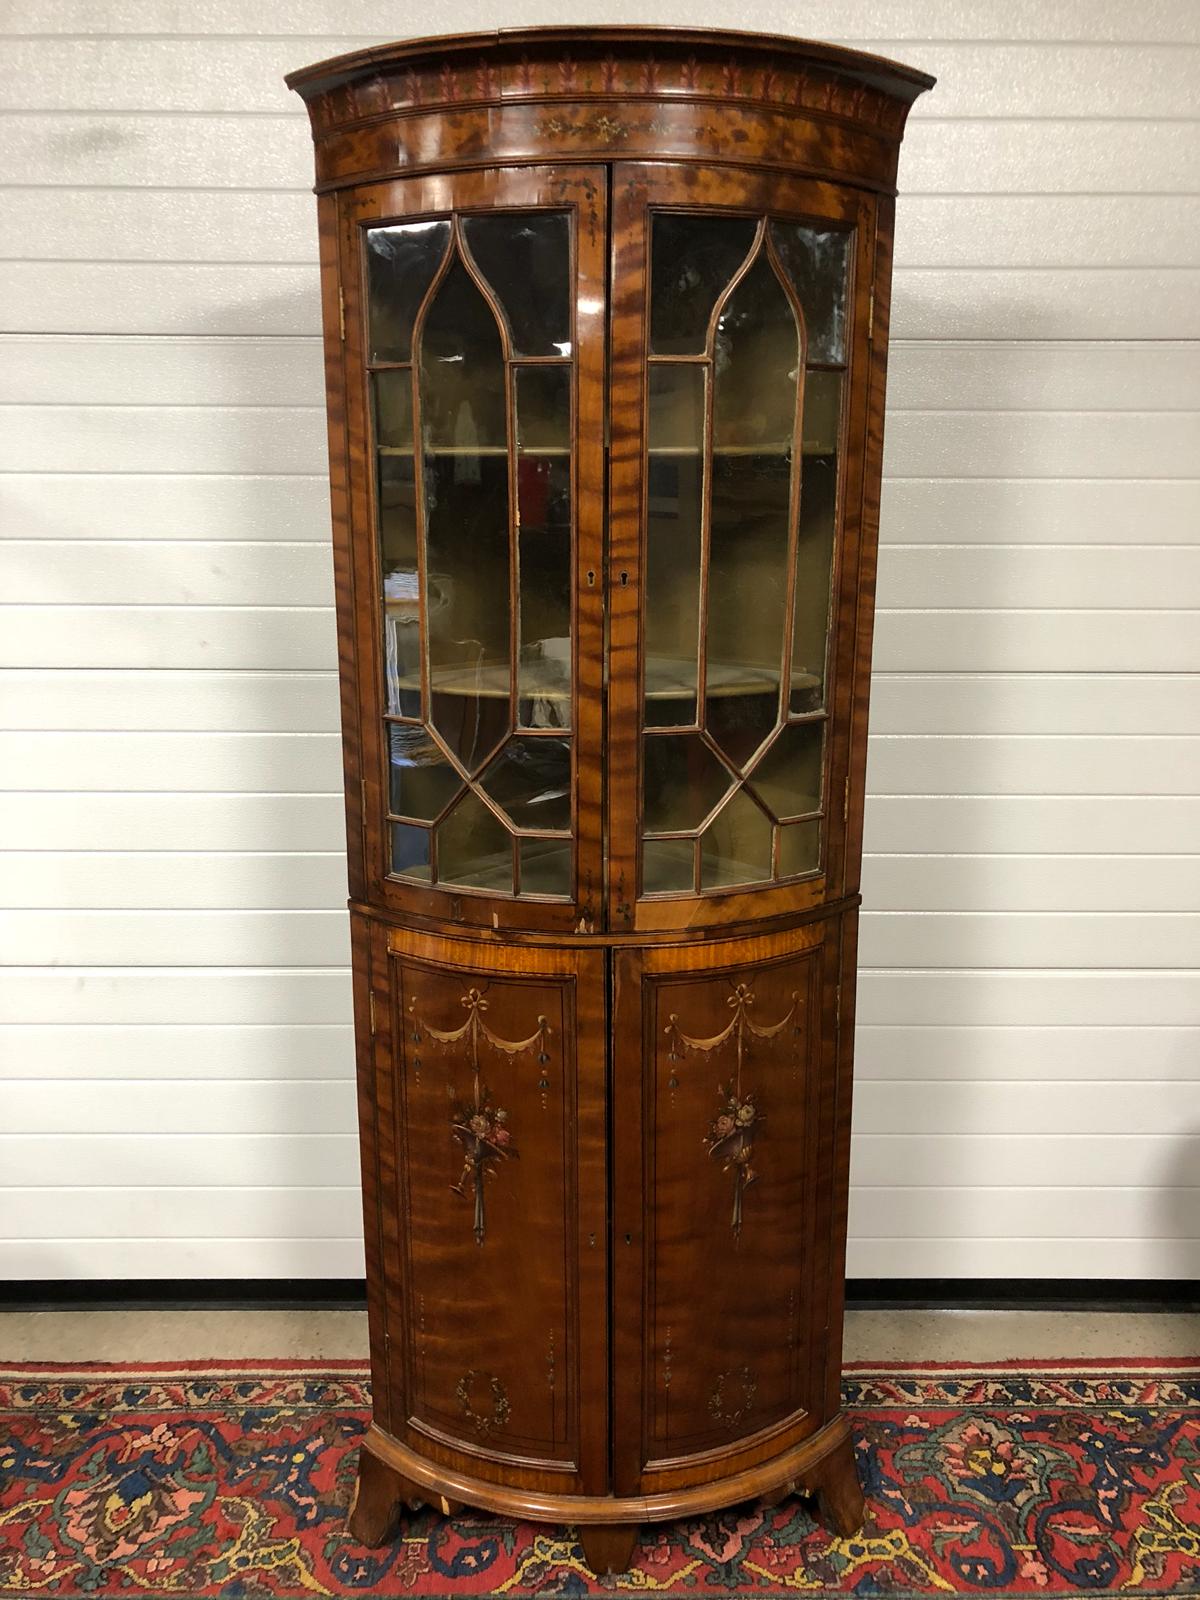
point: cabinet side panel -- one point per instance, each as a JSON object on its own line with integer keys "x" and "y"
{"x": 372, "y": 1095}
{"x": 328, "y": 230}
{"x": 868, "y": 548}
{"x": 843, "y": 961}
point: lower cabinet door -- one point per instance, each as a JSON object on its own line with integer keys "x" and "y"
{"x": 723, "y": 1121}
{"x": 489, "y": 1106}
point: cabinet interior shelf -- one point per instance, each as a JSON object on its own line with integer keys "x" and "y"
{"x": 666, "y": 679}
{"x": 818, "y": 447}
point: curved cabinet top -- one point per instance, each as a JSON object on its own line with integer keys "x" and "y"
{"x": 588, "y": 94}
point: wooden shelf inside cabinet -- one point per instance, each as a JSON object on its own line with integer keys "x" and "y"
{"x": 605, "y": 423}
{"x": 665, "y": 679}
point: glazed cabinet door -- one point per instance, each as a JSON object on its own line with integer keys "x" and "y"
{"x": 725, "y": 1091}
{"x": 473, "y": 313}
{"x": 740, "y": 333}
{"x": 484, "y": 1168}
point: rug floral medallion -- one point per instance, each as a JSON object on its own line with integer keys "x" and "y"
{"x": 232, "y": 1480}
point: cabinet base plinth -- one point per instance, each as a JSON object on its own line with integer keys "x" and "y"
{"x": 608, "y": 1547}
{"x": 392, "y": 1476}
{"x": 380, "y": 1495}
{"x": 834, "y": 1481}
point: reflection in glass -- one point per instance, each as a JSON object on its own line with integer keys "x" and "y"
{"x": 422, "y": 781}
{"x": 799, "y": 848}
{"x": 692, "y": 259}
{"x": 545, "y": 866}
{"x": 672, "y": 583}
{"x": 410, "y": 851}
{"x": 816, "y": 261}
{"x": 543, "y": 425}
{"x": 401, "y": 588}
{"x": 466, "y": 518}
{"x": 814, "y": 547}
{"x": 475, "y": 848}
{"x": 736, "y": 845}
{"x": 682, "y": 782}
{"x": 401, "y": 263}
{"x": 525, "y": 257}
{"x": 788, "y": 778}
{"x": 531, "y": 780}
{"x": 668, "y": 866}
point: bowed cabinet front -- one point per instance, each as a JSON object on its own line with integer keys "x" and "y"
{"x": 605, "y": 325}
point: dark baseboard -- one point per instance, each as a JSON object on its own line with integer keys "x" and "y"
{"x": 1023, "y": 1294}
{"x": 862, "y": 1294}
{"x": 186, "y": 1294}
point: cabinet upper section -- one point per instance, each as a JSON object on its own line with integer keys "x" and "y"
{"x": 605, "y": 453}
{"x": 555, "y": 94}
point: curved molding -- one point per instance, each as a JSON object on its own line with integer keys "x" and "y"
{"x": 795, "y": 1469}
{"x": 606, "y": 93}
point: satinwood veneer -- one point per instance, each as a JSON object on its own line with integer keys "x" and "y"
{"x": 605, "y": 320}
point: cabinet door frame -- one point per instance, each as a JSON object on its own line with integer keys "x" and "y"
{"x": 395, "y": 1317}
{"x": 581, "y": 190}
{"x": 638, "y": 189}
{"x": 819, "y": 1230}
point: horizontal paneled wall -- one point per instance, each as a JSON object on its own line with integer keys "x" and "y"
{"x": 176, "y": 1091}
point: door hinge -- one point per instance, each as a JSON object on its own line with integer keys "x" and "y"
{"x": 371, "y": 1009}
{"x": 870, "y": 318}
{"x": 362, "y": 802}
{"x": 342, "y": 313}
{"x": 846, "y": 802}
{"x": 837, "y": 1004}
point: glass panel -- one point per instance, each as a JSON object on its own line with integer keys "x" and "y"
{"x": 757, "y": 356}
{"x": 466, "y": 519}
{"x": 799, "y": 848}
{"x": 741, "y": 719}
{"x": 475, "y": 849}
{"x": 682, "y": 782}
{"x": 757, "y": 349}
{"x": 544, "y": 409}
{"x": 422, "y": 781}
{"x": 543, "y": 397}
{"x": 816, "y": 261}
{"x": 393, "y": 409}
{"x": 668, "y": 866}
{"x": 545, "y": 866}
{"x": 672, "y": 588}
{"x": 692, "y": 259}
{"x": 401, "y": 263}
{"x": 410, "y": 851}
{"x": 788, "y": 778}
{"x": 401, "y": 591}
{"x": 531, "y": 779}
{"x": 525, "y": 257}
{"x": 814, "y": 548}
{"x": 736, "y": 845}
{"x": 462, "y": 370}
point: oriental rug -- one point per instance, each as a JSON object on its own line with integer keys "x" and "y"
{"x": 232, "y": 1479}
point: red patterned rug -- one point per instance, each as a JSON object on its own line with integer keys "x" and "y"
{"x": 232, "y": 1479}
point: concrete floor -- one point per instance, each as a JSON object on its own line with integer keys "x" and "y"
{"x": 870, "y": 1335}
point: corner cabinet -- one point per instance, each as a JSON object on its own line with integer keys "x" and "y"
{"x": 605, "y": 317}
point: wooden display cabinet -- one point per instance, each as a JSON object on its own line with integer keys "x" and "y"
{"x": 605, "y": 317}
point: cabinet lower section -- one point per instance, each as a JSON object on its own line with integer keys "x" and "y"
{"x": 605, "y": 1192}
